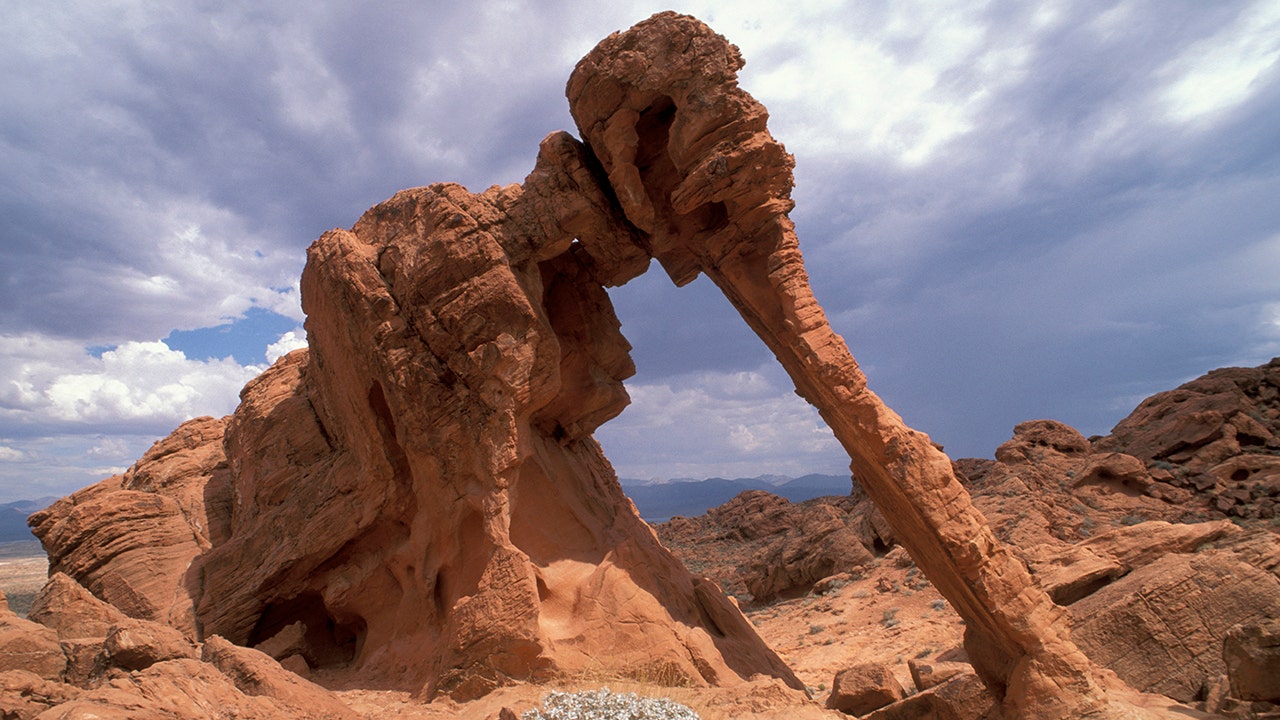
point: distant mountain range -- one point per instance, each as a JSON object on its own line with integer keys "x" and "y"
{"x": 13, "y": 518}
{"x": 657, "y": 501}
{"x": 661, "y": 501}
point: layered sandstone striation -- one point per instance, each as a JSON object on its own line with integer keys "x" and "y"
{"x": 420, "y": 490}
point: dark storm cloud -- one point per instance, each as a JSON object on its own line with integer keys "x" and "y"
{"x": 1079, "y": 248}
{"x": 261, "y": 126}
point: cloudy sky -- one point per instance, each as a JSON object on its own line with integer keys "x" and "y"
{"x": 1011, "y": 210}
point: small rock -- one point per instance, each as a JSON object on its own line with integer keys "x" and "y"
{"x": 927, "y": 675}
{"x": 861, "y": 689}
{"x": 1252, "y": 655}
{"x": 138, "y": 644}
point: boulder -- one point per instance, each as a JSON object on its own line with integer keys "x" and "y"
{"x": 138, "y": 644}
{"x": 66, "y": 606}
{"x": 24, "y": 694}
{"x": 860, "y": 689}
{"x": 1252, "y": 656}
{"x": 754, "y": 514}
{"x": 257, "y": 675}
{"x": 1161, "y": 628}
{"x": 818, "y": 543}
{"x": 963, "y": 697}
{"x": 25, "y": 645}
{"x": 291, "y": 641}
{"x": 928, "y": 674}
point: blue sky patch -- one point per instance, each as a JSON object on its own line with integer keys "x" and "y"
{"x": 245, "y": 339}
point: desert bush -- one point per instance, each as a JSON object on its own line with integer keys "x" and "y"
{"x": 889, "y": 618}
{"x": 605, "y": 705}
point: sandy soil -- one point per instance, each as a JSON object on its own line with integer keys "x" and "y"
{"x": 23, "y": 571}
{"x": 889, "y": 616}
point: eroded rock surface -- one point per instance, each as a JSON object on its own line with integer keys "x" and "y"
{"x": 1162, "y": 627}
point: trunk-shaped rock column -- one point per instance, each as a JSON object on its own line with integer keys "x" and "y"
{"x": 693, "y": 166}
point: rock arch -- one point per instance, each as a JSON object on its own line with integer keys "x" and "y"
{"x": 423, "y": 482}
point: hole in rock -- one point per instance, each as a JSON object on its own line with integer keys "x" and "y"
{"x": 652, "y": 159}
{"x": 879, "y": 547}
{"x": 708, "y": 401}
{"x": 328, "y": 641}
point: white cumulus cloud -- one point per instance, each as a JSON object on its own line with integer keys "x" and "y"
{"x": 49, "y": 382}
{"x": 288, "y": 342}
{"x": 719, "y": 424}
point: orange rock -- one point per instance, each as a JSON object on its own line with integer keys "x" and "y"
{"x": 693, "y": 166}
{"x": 25, "y": 645}
{"x": 1161, "y": 628}
{"x": 24, "y": 694}
{"x": 257, "y": 675}
{"x": 72, "y": 611}
{"x": 862, "y": 688}
{"x": 137, "y": 644}
{"x": 130, "y": 539}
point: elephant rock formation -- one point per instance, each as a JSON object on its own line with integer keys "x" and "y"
{"x": 417, "y": 500}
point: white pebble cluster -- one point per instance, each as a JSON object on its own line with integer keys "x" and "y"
{"x": 604, "y": 705}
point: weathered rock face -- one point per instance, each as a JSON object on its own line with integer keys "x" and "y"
{"x": 694, "y": 168}
{"x": 762, "y": 545}
{"x": 1162, "y": 627}
{"x": 1216, "y": 437}
{"x": 460, "y": 526}
{"x": 1252, "y": 655}
{"x": 421, "y": 490}
{"x": 85, "y": 659}
{"x": 131, "y": 539}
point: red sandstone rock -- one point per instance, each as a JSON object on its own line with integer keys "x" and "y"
{"x": 762, "y": 545}
{"x": 1252, "y": 656}
{"x": 754, "y": 514}
{"x": 72, "y": 611}
{"x": 1161, "y": 628}
{"x": 818, "y": 545}
{"x": 174, "y": 690}
{"x": 862, "y": 688}
{"x": 25, "y": 645}
{"x": 1215, "y": 437}
{"x": 929, "y": 674}
{"x": 137, "y": 644}
{"x": 1077, "y": 571}
{"x": 257, "y": 675}
{"x": 24, "y": 694}
{"x": 130, "y": 539}
{"x": 963, "y": 697}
